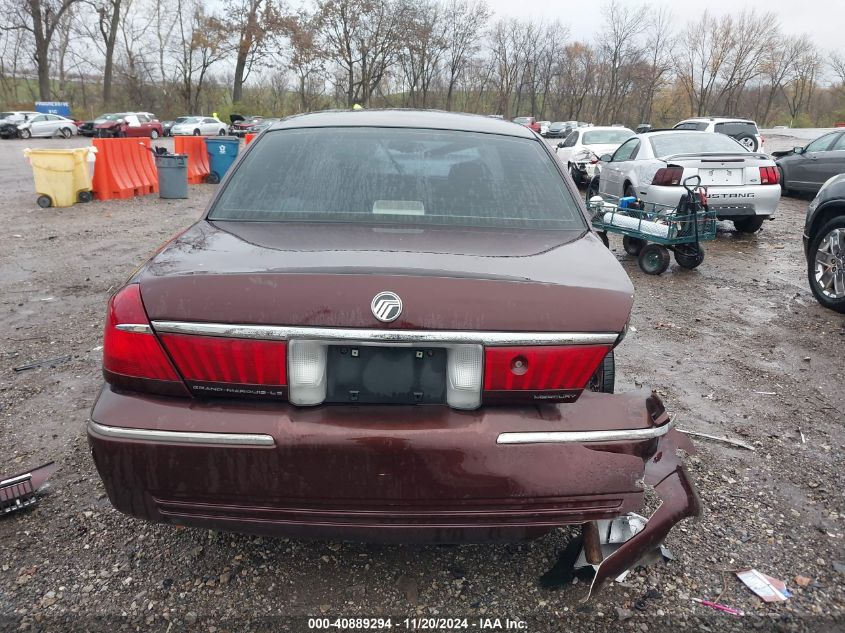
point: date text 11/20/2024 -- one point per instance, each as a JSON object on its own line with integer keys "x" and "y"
{"x": 418, "y": 624}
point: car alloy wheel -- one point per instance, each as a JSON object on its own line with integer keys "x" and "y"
{"x": 154, "y": 134}
{"x": 25, "y": 133}
{"x": 65, "y": 132}
{"x": 828, "y": 266}
{"x": 196, "y": 132}
{"x": 748, "y": 142}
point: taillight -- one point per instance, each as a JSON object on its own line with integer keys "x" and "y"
{"x": 668, "y": 176}
{"x": 130, "y": 349}
{"x": 769, "y": 176}
{"x": 539, "y": 373}
{"x": 231, "y": 361}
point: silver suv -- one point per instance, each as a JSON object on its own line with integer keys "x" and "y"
{"x": 743, "y": 130}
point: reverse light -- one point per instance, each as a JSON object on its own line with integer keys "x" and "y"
{"x": 541, "y": 373}
{"x": 130, "y": 348}
{"x": 306, "y": 372}
{"x": 769, "y": 176}
{"x": 668, "y": 176}
{"x": 465, "y": 367}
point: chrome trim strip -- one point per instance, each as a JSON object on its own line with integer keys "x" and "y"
{"x": 137, "y": 328}
{"x": 284, "y": 333}
{"x": 15, "y": 480}
{"x": 181, "y": 437}
{"x": 583, "y": 437}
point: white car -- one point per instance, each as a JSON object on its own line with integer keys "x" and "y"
{"x": 47, "y": 125}
{"x": 582, "y": 148}
{"x": 17, "y": 116}
{"x": 742, "y": 186}
{"x": 744, "y": 131}
{"x": 199, "y": 126}
{"x": 544, "y": 127}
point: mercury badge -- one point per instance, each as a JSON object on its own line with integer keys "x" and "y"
{"x": 386, "y": 306}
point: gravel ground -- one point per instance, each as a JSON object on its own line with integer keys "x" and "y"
{"x": 738, "y": 347}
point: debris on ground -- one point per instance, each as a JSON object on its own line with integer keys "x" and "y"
{"x": 718, "y": 438}
{"x": 768, "y": 588}
{"x": 44, "y": 362}
{"x": 718, "y": 607}
{"x": 18, "y": 491}
{"x": 802, "y": 581}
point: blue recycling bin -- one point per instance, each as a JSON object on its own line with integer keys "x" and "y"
{"x": 221, "y": 154}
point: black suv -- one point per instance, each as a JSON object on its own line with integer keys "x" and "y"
{"x": 824, "y": 244}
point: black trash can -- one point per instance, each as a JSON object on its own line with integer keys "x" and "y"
{"x": 172, "y": 175}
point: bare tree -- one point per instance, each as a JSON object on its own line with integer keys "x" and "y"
{"x": 307, "y": 59}
{"x": 40, "y": 18}
{"x": 252, "y": 22}
{"x": 465, "y": 23}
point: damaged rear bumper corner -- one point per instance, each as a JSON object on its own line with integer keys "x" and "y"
{"x": 665, "y": 473}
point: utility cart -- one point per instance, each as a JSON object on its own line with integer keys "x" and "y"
{"x": 649, "y": 230}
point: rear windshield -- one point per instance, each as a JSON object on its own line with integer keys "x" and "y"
{"x": 399, "y": 176}
{"x": 603, "y": 137}
{"x": 693, "y": 143}
{"x": 692, "y": 125}
{"x": 736, "y": 128}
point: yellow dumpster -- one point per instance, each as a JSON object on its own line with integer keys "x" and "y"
{"x": 62, "y": 176}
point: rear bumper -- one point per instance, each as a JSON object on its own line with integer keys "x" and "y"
{"x": 382, "y": 474}
{"x": 727, "y": 202}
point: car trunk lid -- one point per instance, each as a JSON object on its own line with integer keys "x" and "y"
{"x": 448, "y": 279}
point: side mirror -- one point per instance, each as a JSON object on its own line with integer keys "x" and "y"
{"x": 605, "y": 158}
{"x": 797, "y": 150}
{"x": 560, "y": 144}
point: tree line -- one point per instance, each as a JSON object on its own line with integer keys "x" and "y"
{"x": 259, "y": 56}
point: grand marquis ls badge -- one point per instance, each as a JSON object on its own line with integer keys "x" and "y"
{"x": 386, "y": 306}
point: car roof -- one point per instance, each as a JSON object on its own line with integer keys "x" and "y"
{"x": 593, "y": 128}
{"x": 716, "y": 118}
{"x": 397, "y": 118}
{"x": 663, "y": 132}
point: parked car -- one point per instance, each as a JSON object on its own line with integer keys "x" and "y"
{"x": 242, "y": 124}
{"x": 167, "y": 125}
{"x": 529, "y": 122}
{"x": 558, "y": 130}
{"x": 199, "y": 126}
{"x": 47, "y": 125}
{"x": 741, "y": 186}
{"x": 262, "y": 125}
{"x": 129, "y": 124}
{"x": 582, "y": 148}
{"x": 743, "y": 130}
{"x": 9, "y": 122}
{"x": 808, "y": 168}
{"x": 384, "y": 391}
{"x": 544, "y": 127}
{"x": 824, "y": 244}
{"x": 643, "y": 127}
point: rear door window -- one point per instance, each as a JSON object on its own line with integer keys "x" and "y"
{"x": 839, "y": 145}
{"x": 399, "y": 176}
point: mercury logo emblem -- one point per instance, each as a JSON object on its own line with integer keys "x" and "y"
{"x": 386, "y": 306}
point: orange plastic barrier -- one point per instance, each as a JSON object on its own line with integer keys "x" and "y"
{"x": 194, "y": 147}
{"x": 248, "y": 137}
{"x": 125, "y": 168}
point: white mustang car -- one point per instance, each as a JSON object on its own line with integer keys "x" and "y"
{"x": 582, "y": 148}
{"x": 742, "y": 186}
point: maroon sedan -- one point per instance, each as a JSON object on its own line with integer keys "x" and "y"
{"x": 388, "y": 326}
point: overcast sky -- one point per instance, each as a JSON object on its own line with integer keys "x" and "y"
{"x": 823, "y": 20}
